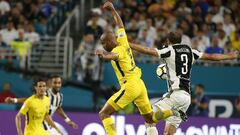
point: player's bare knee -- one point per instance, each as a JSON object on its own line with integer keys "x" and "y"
{"x": 148, "y": 118}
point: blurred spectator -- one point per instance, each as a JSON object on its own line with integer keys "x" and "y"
{"x": 32, "y": 36}
{"x": 88, "y": 64}
{"x": 237, "y": 106}
{"x": 185, "y": 39}
{"x": 202, "y": 41}
{"x": 145, "y": 40}
{"x": 223, "y": 38}
{"x": 9, "y": 34}
{"x": 212, "y": 27}
{"x": 96, "y": 18}
{"x": 149, "y": 31}
{"x": 21, "y": 47}
{"x": 46, "y": 8}
{"x": 235, "y": 40}
{"x": 2, "y": 43}
{"x": 214, "y": 48}
{"x": 200, "y": 102}
{"x": 4, "y": 7}
{"x": 41, "y": 26}
{"x": 6, "y": 92}
{"x": 132, "y": 27}
{"x": 228, "y": 26}
{"x": 94, "y": 28}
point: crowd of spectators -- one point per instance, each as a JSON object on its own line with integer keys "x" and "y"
{"x": 211, "y": 26}
{"x": 22, "y": 22}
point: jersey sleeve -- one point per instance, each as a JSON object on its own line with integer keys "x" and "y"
{"x": 196, "y": 54}
{"x": 163, "y": 53}
{"x": 122, "y": 37}
{"x": 119, "y": 50}
{"x": 24, "y": 109}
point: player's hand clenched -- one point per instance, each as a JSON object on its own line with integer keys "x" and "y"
{"x": 99, "y": 53}
{"x": 108, "y": 5}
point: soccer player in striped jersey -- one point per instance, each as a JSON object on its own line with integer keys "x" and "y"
{"x": 56, "y": 99}
{"x": 179, "y": 59}
{"x": 35, "y": 108}
{"x": 128, "y": 74}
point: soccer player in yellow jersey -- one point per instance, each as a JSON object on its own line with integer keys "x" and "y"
{"x": 129, "y": 76}
{"x": 36, "y": 109}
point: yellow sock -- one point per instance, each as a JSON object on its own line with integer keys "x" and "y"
{"x": 161, "y": 115}
{"x": 109, "y": 126}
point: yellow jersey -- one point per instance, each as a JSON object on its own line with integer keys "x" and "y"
{"x": 35, "y": 110}
{"x": 124, "y": 67}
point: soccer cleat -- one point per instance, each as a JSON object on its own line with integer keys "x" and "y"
{"x": 183, "y": 115}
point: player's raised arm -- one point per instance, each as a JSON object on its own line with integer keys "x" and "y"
{"x": 144, "y": 50}
{"x": 109, "y": 6}
{"x": 217, "y": 57}
{"x": 106, "y": 55}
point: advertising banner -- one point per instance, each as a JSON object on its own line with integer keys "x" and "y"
{"x": 90, "y": 124}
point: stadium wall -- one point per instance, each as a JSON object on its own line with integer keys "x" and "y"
{"x": 218, "y": 80}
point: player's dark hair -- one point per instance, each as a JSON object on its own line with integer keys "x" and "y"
{"x": 35, "y": 82}
{"x": 55, "y": 76}
{"x": 174, "y": 38}
{"x": 200, "y": 86}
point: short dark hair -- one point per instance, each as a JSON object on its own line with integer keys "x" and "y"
{"x": 35, "y": 82}
{"x": 174, "y": 37}
{"x": 55, "y": 76}
{"x": 200, "y": 86}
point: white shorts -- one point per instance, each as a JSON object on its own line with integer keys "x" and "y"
{"x": 178, "y": 100}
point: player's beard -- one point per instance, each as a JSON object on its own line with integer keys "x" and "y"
{"x": 55, "y": 90}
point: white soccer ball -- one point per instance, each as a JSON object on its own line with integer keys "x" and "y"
{"x": 161, "y": 72}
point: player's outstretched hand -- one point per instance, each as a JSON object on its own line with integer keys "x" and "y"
{"x": 9, "y": 100}
{"x": 108, "y": 5}
{"x": 99, "y": 53}
{"x": 73, "y": 125}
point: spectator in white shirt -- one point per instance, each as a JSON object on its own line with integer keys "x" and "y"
{"x": 10, "y": 33}
{"x": 96, "y": 16}
{"x": 223, "y": 39}
{"x": 32, "y": 36}
{"x": 185, "y": 38}
{"x": 151, "y": 31}
{"x": 228, "y": 26}
{"x": 202, "y": 41}
{"x": 4, "y": 7}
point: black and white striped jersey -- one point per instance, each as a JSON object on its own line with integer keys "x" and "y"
{"x": 179, "y": 59}
{"x": 55, "y": 102}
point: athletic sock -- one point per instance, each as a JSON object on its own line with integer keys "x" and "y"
{"x": 109, "y": 126}
{"x": 161, "y": 115}
{"x": 151, "y": 129}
